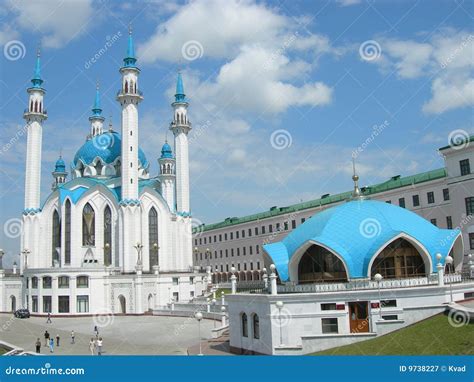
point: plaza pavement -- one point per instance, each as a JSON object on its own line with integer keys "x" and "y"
{"x": 121, "y": 334}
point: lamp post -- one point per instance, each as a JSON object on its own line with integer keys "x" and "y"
{"x": 213, "y": 309}
{"x": 265, "y": 278}
{"x": 378, "y": 277}
{"x": 233, "y": 281}
{"x": 25, "y": 253}
{"x": 198, "y": 317}
{"x": 279, "y": 305}
{"x": 449, "y": 261}
{"x": 222, "y": 298}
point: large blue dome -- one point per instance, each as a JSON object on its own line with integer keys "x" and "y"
{"x": 107, "y": 147}
{"x": 356, "y": 230}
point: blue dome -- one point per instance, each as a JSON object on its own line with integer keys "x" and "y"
{"x": 106, "y": 146}
{"x": 60, "y": 166}
{"x": 166, "y": 151}
{"x": 356, "y": 231}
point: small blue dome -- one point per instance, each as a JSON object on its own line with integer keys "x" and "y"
{"x": 107, "y": 147}
{"x": 166, "y": 151}
{"x": 60, "y": 166}
{"x": 356, "y": 230}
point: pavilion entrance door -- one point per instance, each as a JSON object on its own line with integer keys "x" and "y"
{"x": 359, "y": 316}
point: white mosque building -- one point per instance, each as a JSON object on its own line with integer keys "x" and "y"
{"x": 112, "y": 238}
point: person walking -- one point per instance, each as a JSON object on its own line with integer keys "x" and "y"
{"x": 38, "y": 346}
{"x": 92, "y": 346}
{"x": 96, "y": 331}
{"x": 46, "y": 338}
{"x": 57, "y": 340}
{"x": 48, "y": 321}
{"x": 99, "y": 346}
{"x": 51, "y": 345}
{"x": 73, "y": 336}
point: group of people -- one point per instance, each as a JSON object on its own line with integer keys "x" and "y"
{"x": 95, "y": 344}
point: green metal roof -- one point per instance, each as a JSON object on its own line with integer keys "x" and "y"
{"x": 391, "y": 184}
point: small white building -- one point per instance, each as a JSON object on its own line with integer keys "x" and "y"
{"x": 351, "y": 272}
{"x": 113, "y": 238}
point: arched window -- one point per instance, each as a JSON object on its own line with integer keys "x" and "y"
{"x": 107, "y": 236}
{"x": 98, "y": 167}
{"x": 256, "y": 326}
{"x": 117, "y": 168}
{"x": 36, "y": 106}
{"x": 67, "y": 233}
{"x": 153, "y": 236}
{"x": 126, "y": 87}
{"x": 56, "y": 239}
{"x": 88, "y": 226}
{"x": 399, "y": 259}
{"x": 245, "y": 325}
{"x": 320, "y": 265}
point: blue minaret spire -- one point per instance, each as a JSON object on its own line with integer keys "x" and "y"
{"x": 130, "y": 60}
{"x": 96, "y": 109}
{"x": 180, "y": 96}
{"x": 37, "y": 80}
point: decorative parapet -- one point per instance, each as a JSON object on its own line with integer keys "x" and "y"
{"x": 31, "y": 211}
{"x": 129, "y": 202}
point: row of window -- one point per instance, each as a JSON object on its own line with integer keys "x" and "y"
{"x": 244, "y": 267}
{"x": 63, "y": 282}
{"x": 82, "y": 304}
{"x": 208, "y": 255}
{"x": 278, "y": 227}
{"x": 430, "y": 197}
{"x": 255, "y": 325}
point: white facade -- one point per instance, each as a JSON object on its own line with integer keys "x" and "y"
{"x": 110, "y": 239}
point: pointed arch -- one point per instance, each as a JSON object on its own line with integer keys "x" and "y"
{"x": 67, "y": 232}
{"x": 56, "y": 239}
{"x": 108, "y": 236}
{"x": 153, "y": 237}
{"x": 126, "y": 87}
{"x": 88, "y": 226}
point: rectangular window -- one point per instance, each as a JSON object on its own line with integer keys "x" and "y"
{"x": 431, "y": 198}
{"x": 205, "y": 240}
{"x": 270, "y": 228}
{"x": 278, "y": 227}
{"x": 63, "y": 304}
{"x": 238, "y": 251}
{"x": 416, "y": 200}
{"x": 225, "y": 236}
{"x": 433, "y": 221}
{"x": 470, "y": 206}
{"x": 256, "y": 230}
{"x": 191, "y": 280}
{"x": 251, "y": 266}
{"x": 47, "y": 304}
{"x": 391, "y": 317}
{"x": 258, "y": 264}
{"x": 82, "y": 282}
{"x": 445, "y": 193}
{"x": 389, "y": 303}
{"x": 220, "y": 253}
{"x": 257, "y": 247}
{"x": 245, "y": 266}
{"x": 34, "y": 282}
{"x": 63, "y": 282}
{"x": 286, "y": 226}
{"x": 82, "y": 304}
{"x": 449, "y": 222}
{"x": 401, "y": 202}
{"x": 303, "y": 220}
{"x": 226, "y": 253}
{"x": 329, "y": 325}
{"x": 175, "y": 280}
{"x": 175, "y": 296}
{"x": 220, "y": 237}
{"x": 232, "y": 252}
{"x": 250, "y": 232}
{"x": 331, "y": 306}
{"x": 238, "y": 266}
{"x": 215, "y": 238}
{"x": 236, "y": 234}
{"x": 293, "y": 224}
{"x": 263, "y": 230}
{"x": 231, "y": 236}
{"x": 251, "y": 250}
{"x": 471, "y": 240}
{"x": 34, "y": 302}
{"x": 465, "y": 167}
{"x": 243, "y": 233}
{"x": 244, "y": 249}
{"x": 47, "y": 281}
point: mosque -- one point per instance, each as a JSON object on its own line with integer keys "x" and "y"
{"x": 112, "y": 237}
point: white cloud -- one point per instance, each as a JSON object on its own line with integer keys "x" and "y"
{"x": 56, "y": 21}
{"x": 346, "y": 3}
{"x": 7, "y": 33}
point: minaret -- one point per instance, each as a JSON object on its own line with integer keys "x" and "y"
{"x": 34, "y": 117}
{"x": 59, "y": 173}
{"x": 96, "y": 119}
{"x": 129, "y": 97}
{"x": 180, "y": 126}
{"x": 356, "y": 193}
{"x": 167, "y": 175}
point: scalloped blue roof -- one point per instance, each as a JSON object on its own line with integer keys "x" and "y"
{"x": 166, "y": 151}
{"x": 60, "y": 166}
{"x": 356, "y": 230}
{"x": 106, "y": 146}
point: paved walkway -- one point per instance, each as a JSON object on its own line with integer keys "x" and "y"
{"x": 121, "y": 334}
{"x": 218, "y": 346}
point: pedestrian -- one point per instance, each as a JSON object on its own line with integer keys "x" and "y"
{"x": 51, "y": 345}
{"x": 46, "y": 338}
{"x": 48, "y": 321}
{"x": 38, "y": 345}
{"x": 91, "y": 346}
{"x": 73, "y": 335}
{"x": 57, "y": 340}
{"x": 99, "y": 346}
{"x": 96, "y": 331}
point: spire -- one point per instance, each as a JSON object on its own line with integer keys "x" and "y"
{"x": 36, "y": 80}
{"x": 130, "y": 59}
{"x": 96, "y": 109}
{"x": 356, "y": 194}
{"x": 110, "y": 124}
{"x": 179, "y": 96}
{"x": 166, "y": 151}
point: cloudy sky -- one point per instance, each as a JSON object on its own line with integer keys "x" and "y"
{"x": 281, "y": 93}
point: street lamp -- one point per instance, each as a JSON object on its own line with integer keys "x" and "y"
{"x": 198, "y": 317}
{"x": 279, "y": 305}
{"x": 378, "y": 277}
{"x": 449, "y": 261}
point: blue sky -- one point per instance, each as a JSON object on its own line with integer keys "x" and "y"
{"x": 281, "y": 93}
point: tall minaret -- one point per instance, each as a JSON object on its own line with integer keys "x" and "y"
{"x": 167, "y": 175}
{"x": 34, "y": 117}
{"x": 129, "y": 97}
{"x": 180, "y": 126}
{"x": 96, "y": 119}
